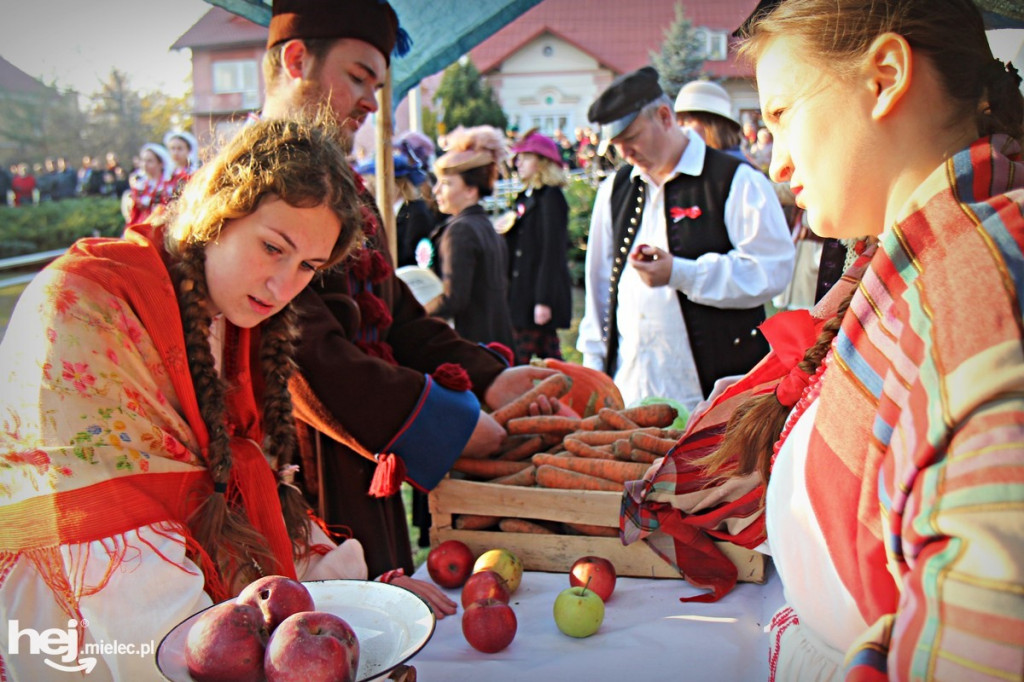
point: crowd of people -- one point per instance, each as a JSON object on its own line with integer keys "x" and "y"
{"x": 240, "y": 385}
{"x": 54, "y": 179}
{"x": 158, "y": 172}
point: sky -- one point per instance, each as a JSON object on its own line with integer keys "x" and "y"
{"x": 77, "y": 42}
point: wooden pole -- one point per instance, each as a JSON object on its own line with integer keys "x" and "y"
{"x": 385, "y": 164}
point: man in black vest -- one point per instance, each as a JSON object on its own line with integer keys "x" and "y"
{"x": 686, "y": 245}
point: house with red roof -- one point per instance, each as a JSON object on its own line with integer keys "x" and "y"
{"x": 546, "y": 66}
{"x": 227, "y": 83}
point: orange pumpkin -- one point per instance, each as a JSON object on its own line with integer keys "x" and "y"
{"x": 591, "y": 389}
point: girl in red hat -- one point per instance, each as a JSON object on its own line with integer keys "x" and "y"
{"x": 540, "y": 287}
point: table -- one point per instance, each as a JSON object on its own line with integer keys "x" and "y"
{"x": 647, "y": 634}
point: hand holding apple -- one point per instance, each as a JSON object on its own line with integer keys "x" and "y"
{"x": 596, "y": 572}
{"x": 489, "y": 625}
{"x": 578, "y": 611}
{"x": 277, "y": 597}
{"x": 312, "y": 645}
{"x": 504, "y": 563}
{"x": 450, "y": 564}
{"x": 485, "y": 585}
{"x": 226, "y": 643}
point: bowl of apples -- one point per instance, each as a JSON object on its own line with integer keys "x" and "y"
{"x": 279, "y": 629}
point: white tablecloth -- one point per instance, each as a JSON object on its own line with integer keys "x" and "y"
{"x": 647, "y": 634}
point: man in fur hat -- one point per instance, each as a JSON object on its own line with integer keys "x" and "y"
{"x": 385, "y": 392}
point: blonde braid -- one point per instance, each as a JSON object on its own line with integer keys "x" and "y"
{"x": 756, "y": 425}
{"x": 225, "y": 534}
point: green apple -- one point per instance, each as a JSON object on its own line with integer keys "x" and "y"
{"x": 579, "y": 611}
{"x": 504, "y": 563}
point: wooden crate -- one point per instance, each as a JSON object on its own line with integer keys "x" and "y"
{"x": 556, "y": 553}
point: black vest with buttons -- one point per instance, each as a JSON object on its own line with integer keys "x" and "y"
{"x": 724, "y": 341}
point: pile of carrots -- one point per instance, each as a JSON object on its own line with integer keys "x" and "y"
{"x": 598, "y": 452}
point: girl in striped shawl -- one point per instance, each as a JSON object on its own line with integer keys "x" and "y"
{"x": 896, "y": 490}
{"x": 893, "y": 449}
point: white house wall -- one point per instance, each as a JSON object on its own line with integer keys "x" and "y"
{"x": 548, "y": 83}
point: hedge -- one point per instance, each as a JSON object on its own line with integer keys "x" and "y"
{"x": 57, "y": 224}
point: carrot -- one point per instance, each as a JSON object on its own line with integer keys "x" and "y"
{"x": 555, "y": 477}
{"x": 513, "y": 525}
{"x": 622, "y": 448}
{"x": 590, "y": 529}
{"x": 488, "y": 468}
{"x": 526, "y": 478}
{"x": 600, "y": 437}
{"x": 475, "y": 521}
{"x": 612, "y": 470}
{"x": 641, "y": 455}
{"x": 520, "y": 447}
{"x": 655, "y": 444}
{"x": 581, "y": 449}
{"x": 657, "y": 414}
{"x": 554, "y": 386}
{"x": 591, "y": 423}
{"x": 615, "y": 420}
{"x": 542, "y": 424}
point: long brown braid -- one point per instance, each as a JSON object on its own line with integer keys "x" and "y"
{"x": 303, "y": 163}
{"x": 755, "y": 426}
{"x": 222, "y": 530}
{"x": 277, "y": 348}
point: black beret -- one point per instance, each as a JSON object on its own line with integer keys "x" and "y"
{"x": 619, "y": 104}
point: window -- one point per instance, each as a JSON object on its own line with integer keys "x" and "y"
{"x": 238, "y": 75}
{"x": 715, "y": 44}
{"x": 549, "y": 123}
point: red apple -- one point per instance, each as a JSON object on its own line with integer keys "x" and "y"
{"x": 485, "y": 585}
{"x": 277, "y": 597}
{"x": 226, "y": 643}
{"x": 312, "y": 645}
{"x": 450, "y": 563}
{"x": 489, "y": 625}
{"x": 598, "y": 571}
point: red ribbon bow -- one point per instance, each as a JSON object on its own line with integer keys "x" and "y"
{"x": 679, "y": 213}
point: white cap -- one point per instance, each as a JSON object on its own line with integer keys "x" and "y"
{"x": 705, "y": 96}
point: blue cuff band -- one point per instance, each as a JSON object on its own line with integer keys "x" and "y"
{"x": 435, "y": 434}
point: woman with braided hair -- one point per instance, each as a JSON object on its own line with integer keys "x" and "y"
{"x": 889, "y": 423}
{"x": 147, "y": 442}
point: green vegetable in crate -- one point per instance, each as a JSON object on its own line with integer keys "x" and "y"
{"x": 682, "y": 414}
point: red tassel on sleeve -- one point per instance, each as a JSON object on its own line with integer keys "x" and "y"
{"x": 388, "y": 477}
{"x": 452, "y": 377}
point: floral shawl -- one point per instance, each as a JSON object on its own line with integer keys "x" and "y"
{"x": 101, "y": 428}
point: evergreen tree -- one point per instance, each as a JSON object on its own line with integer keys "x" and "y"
{"x": 682, "y": 54}
{"x": 466, "y": 99}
